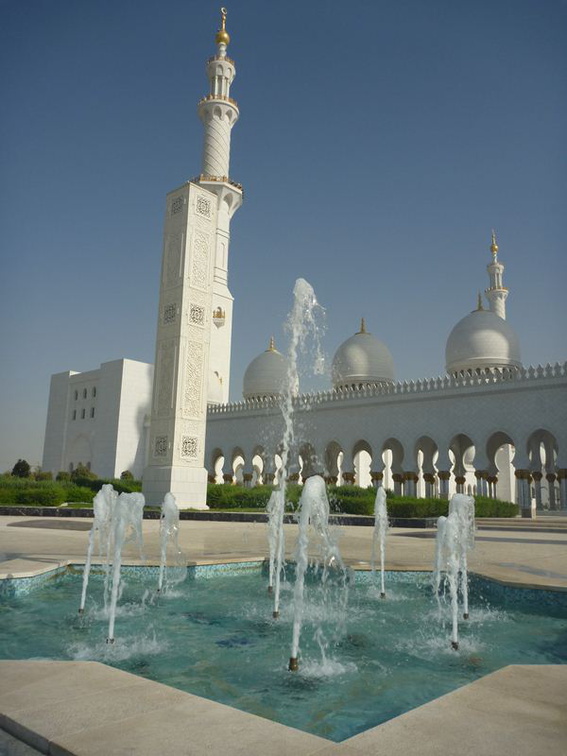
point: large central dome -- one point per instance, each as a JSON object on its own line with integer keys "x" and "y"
{"x": 361, "y": 360}
{"x": 482, "y": 341}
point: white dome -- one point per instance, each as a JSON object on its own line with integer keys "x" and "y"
{"x": 362, "y": 359}
{"x": 482, "y": 341}
{"x": 265, "y": 375}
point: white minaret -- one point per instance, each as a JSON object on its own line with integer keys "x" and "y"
{"x": 496, "y": 292}
{"x": 195, "y": 305}
{"x": 219, "y": 112}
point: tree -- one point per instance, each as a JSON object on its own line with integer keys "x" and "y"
{"x": 82, "y": 471}
{"x": 21, "y": 469}
{"x": 126, "y": 475}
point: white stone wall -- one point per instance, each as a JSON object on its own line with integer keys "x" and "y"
{"x": 96, "y": 418}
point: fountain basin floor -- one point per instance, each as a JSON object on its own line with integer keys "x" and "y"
{"x": 213, "y": 636}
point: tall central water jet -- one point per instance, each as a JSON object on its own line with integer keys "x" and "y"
{"x": 381, "y": 527}
{"x": 455, "y": 537}
{"x": 314, "y": 512}
{"x": 304, "y": 325}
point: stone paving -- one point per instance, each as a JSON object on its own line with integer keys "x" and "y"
{"x": 86, "y": 708}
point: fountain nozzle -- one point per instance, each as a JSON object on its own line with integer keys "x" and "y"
{"x": 466, "y": 615}
{"x": 110, "y": 640}
{"x": 81, "y": 610}
{"x": 454, "y": 645}
{"x": 270, "y": 589}
{"x": 293, "y": 664}
{"x": 275, "y": 614}
{"x": 382, "y": 595}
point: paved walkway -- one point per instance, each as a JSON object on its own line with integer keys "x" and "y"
{"x": 85, "y": 708}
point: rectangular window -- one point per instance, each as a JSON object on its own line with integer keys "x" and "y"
{"x": 92, "y": 411}
{"x": 74, "y": 414}
{"x": 82, "y": 414}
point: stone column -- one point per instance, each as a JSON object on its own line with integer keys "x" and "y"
{"x": 492, "y": 480}
{"x": 444, "y": 476}
{"x": 348, "y": 478}
{"x": 562, "y": 475}
{"x": 523, "y": 478}
{"x": 247, "y": 479}
{"x": 227, "y": 477}
{"x": 397, "y": 478}
{"x": 410, "y": 480}
{"x": 460, "y": 481}
{"x": 429, "y": 479}
{"x": 376, "y": 478}
{"x": 481, "y": 476}
{"x": 551, "y": 477}
{"x": 537, "y": 476}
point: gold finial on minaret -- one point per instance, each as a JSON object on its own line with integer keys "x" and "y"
{"x": 479, "y": 306}
{"x": 494, "y": 246}
{"x": 272, "y": 346}
{"x": 362, "y": 326}
{"x": 223, "y": 37}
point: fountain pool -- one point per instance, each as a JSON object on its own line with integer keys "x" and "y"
{"x": 213, "y": 635}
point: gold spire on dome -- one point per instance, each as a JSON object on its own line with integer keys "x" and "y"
{"x": 362, "y": 326}
{"x": 223, "y": 37}
{"x": 272, "y": 346}
{"x": 479, "y": 307}
{"x": 494, "y": 246}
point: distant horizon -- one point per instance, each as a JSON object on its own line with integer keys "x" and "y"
{"x": 378, "y": 147}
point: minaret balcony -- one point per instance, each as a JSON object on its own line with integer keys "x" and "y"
{"x": 224, "y": 58}
{"x": 223, "y": 98}
{"x": 221, "y": 179}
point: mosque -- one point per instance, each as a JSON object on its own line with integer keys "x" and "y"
{"x": 490, "y": 426}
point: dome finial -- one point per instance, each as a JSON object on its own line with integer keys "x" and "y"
{"x": 479, "y": 307}
{"x": 223, "y": 37}
{"x": 494, "y": 246}
{"x": 272, "y": 345}
{"x": 362, "y": 326}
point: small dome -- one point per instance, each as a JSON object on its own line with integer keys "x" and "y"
{"x": 265, "y": 375}
{"x": 362, "y": 359}
{"x": 482, "y": 341}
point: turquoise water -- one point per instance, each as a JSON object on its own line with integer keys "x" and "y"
{"x": 213, "y": 635}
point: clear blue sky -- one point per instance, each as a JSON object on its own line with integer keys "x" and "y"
{"x": 378, "y": 144}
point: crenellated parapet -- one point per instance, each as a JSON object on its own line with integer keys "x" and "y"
{"x": 486, "y": 381}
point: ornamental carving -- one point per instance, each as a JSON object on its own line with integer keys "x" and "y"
{"x": 203, "y": 206}
{"x": 172, "y": 259}
{"x": 200, "y": 261}
{"x": 197, "y": 315}
{"x": 160, "y": 446}
{"x": 165, "y": 377}
{"x": 169, "y": 314}
{"x": 193, "y": 379}
{"x": 176, "y": 205}
{"x": 189, "y": 447}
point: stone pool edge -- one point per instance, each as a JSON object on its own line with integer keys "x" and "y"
{"x": 89, "y": 709}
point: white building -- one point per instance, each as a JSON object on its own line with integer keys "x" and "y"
{"x": 99, "y": 419}
{"x": 490, "y": 426}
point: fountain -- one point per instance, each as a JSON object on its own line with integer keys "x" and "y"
{"x": 455, "y": 537}
{"x": 169, "y": 534}
{"x": 314, "y": 512}
{"x": 126, "y": 526}
{"x": 103, "y": 507}
{"x": 302, "y": 324}
{"x": 381, "y": 527}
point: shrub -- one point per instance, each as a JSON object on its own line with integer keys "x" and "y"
{"x": 21, "y": 469}
{"x": 41, "y": 475}
{"x": 79, "y": 494}
{"x": 41, "y": 497}
{"x": 82, "y": 472}
{"x": 63, "y": 476}
{"x": 126, "y": 475}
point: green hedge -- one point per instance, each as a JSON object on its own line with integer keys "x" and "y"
{"x": 47, "y": 493}
{"x": 352, "y": 500}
